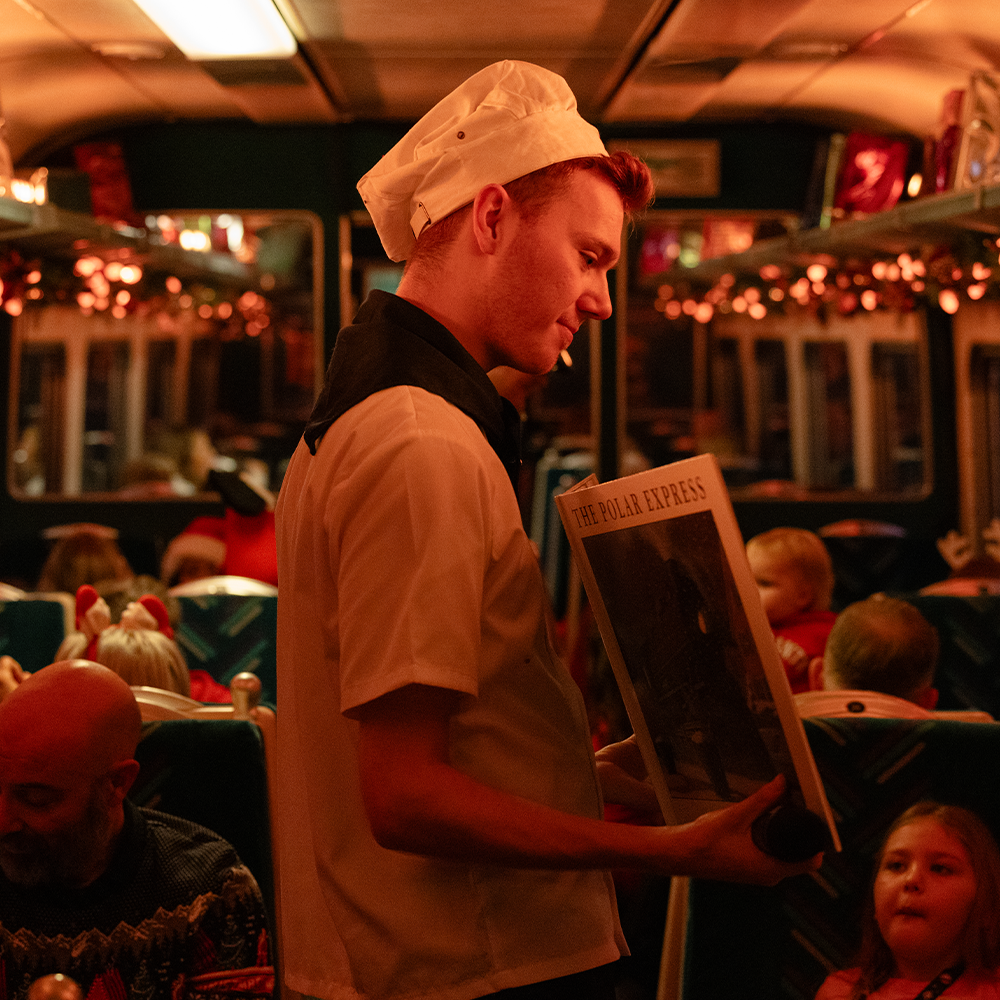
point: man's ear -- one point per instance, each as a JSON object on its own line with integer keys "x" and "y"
{"x": 121, "y": 777}
{"x": 489, "y": 208}
{"x": 816, "y": 673}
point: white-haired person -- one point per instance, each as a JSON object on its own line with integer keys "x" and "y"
{"x": 140, "y": 648}
{"x": 439, "y": 799}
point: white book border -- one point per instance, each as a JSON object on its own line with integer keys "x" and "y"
{"x": 681, "y": 488}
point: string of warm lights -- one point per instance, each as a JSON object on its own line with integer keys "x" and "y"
{"x": 938, "y": 277}
{"x": 122, "y": 289}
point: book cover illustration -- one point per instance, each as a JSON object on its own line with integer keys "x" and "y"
{"x": 665, "y": 570}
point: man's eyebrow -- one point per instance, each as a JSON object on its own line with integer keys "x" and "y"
{"x": 595, "y": 242}
{"x": 614, "y": 252}
{"x": 605, "y": 250}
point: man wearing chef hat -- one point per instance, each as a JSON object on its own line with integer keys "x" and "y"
{"x": 441, "y": 830}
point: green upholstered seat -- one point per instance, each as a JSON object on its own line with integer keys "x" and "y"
{"x": 780, "y": 943}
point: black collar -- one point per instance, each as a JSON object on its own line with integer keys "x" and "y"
{"x": 392, "y": 342}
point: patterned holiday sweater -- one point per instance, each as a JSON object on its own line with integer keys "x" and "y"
{"x": 176, "y": 915}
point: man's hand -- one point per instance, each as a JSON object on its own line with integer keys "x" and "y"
{"x": 418, "y": 802}
{"x": 718, "y": 845}
{"x": 622, "y": 773}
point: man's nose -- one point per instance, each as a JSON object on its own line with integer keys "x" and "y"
{"x": 596, "y": 302}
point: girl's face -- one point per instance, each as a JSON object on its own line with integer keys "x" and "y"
{"x": 924, "y": 891}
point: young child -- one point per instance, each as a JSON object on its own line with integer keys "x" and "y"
{"x": 794, "y": 575}
{"x": 83, "y": 553}
{"x": 140, "y": 648}
{"x": 933, "y": 921}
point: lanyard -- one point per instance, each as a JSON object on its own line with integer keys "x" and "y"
{"x": 937, "y": 986}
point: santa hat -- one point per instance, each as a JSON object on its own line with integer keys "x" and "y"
{"x": 203, "y": 538}
{"x": 149, "y": 613}
{"x": 92, "y": 617}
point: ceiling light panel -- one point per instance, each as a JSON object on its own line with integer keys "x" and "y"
{"x": 222, "y": 29}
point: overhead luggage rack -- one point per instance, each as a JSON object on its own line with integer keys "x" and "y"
{"x": 940, "y": 219}
{"x": 47, "y": 231}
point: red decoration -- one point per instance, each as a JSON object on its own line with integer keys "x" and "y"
{"x": 872, "y": 174}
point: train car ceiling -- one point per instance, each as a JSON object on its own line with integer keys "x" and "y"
{"x": 68, "y": 68}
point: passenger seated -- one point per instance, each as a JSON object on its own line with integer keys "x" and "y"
{"x": 880, "y": 661}
{"x": 192, "y": 455}
{"x": 931, "y": 926}
{"x": 241, "y": 543}
{"x": 795, "y": 579}
{"x": 140, "y": 648}
{"x": 150, "y": 476}
{"x": 199, "y": 551}
{"x": 126, "y": 901}
{"x": 971, "y": 574}
{"x": 83, "y": 553}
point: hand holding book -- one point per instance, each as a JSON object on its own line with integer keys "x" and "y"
{"x": 666, "y": 573}
{"x": 720, "y": 844}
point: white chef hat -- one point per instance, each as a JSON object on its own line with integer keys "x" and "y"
{"x": 504, "y": 122}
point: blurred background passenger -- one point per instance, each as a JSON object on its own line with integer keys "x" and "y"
{"x": 971, "y": 573}
{"x": 794, "y": 575}
{"x": 880, "y": 661}
{"x": 199, "y": 551}
{"x": 140, "y": 648}
{"x": 240, "y": 543}
{"x": 149, "y": 476}
{"x": 192, "y": 453}
{"x": 82, "y": 553}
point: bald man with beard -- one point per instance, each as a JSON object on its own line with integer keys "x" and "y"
{"x": 125, "y": 900}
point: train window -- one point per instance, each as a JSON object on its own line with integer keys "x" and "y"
{"x": 830, "y": 451}
{"x": 985, "y": 384}
{"x": 770, "y": 441}
{"x": 137, "y": 389}
{"x": 976, "y": 334}
{"x": 793, "y": 402}
{"x": 902, "y": 454}
{"x": 364, "y": 265}
{"x": 105, "y": 428}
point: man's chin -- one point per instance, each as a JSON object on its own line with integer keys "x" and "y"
{"x": 25, "y": 870}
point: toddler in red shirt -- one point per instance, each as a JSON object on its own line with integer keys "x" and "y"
{"x": 794, "y": 575}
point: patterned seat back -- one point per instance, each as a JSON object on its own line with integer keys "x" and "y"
{"x": 968, "y": 674}
{"x": 866, "y": 564}
{"x": 212, "y": 772}
{"x": 227, "y": 634}
{"x": 32, "y": 628}
{"x": 780, "y": 943}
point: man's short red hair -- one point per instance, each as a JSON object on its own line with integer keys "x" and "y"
{"x": 628, "y": 175}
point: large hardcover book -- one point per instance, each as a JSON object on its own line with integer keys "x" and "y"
{"x": 666, "y": 573}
